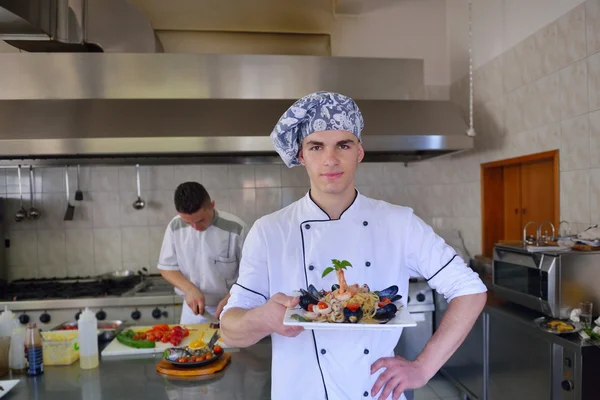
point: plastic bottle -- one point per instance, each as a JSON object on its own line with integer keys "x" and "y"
{"x": 8, "y": 321}
{"x": 88, "y": 340}
{"x": 17, "y": 361}
{"x": 33, "y": 350}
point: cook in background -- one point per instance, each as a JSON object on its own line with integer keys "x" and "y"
{"x": 201, "y": 252}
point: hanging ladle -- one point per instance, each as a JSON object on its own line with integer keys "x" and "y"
{"x": 33, "y": 212}
{"x": 139, "y": 203}
{"x": 22, "y": 213}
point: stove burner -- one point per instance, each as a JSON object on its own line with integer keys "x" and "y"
{"x": 70, "y": 288}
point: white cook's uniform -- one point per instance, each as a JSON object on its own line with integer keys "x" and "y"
{"x": 209, "y": 259}
{"x": 385, "y": 243}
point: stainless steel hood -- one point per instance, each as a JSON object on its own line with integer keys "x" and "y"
{"x": 76, "y": 26}
{"x": 207, "y": 108}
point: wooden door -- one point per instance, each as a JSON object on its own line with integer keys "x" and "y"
{"x": 537, "y": 194}
{"x": 516, "y": 191}
{"x": 512, "y": 202}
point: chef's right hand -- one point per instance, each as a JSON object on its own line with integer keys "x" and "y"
{"x": 195, "y": 300}
{"x": 274, "y": 310}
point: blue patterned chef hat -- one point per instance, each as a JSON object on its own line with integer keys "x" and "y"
{"x": 320, "y": 111}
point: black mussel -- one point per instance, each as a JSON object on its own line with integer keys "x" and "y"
{"x": 307, "y": 299}
{"x": 389, "y": 292}
{"x": 386, "y": 312}
{"x": 335, "y": 287}
{"x": 353, "y": 316}
{"x": 314, "y": 292}
{"x": 396, "y": 298}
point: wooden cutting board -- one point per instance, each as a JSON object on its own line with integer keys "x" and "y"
{"x": 166, "y": 368}
{"x": 116, "y": 348}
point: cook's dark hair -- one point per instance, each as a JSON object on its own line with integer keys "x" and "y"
{"x": 190, "y": 197}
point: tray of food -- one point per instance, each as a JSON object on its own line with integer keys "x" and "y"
{"x": 189, "y": 356}
{"x": 348, "y": 307}
{"x": 557, "y": 326}
{"x": 106, "y": 329}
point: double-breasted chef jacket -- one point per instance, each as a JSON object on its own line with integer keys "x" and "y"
{"x": 386, "y": 245}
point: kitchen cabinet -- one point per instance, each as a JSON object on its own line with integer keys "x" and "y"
{"x": 505, "y": 356}
{"x": 519, "y": 362}
{"x": 467, "y": 368}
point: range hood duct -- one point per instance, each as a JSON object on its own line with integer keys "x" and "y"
{"x": 76, "y": 26}
{"x": 208, "y": 108}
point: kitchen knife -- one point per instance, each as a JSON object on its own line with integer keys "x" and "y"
{"x": 213, "y": 340}
{"x": 210, "y": 317}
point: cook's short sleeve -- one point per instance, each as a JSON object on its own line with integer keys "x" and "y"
{"x": 252, "y": 287}
{"x": 428, "y": 255}
{"x": 168, "y": 256}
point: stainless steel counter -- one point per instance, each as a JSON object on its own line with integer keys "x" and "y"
{"x": 248, "y": 377}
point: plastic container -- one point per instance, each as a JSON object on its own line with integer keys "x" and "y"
{"x": 88, "y": 340}
{"x": 34, "y": 351}
{"x": 60, "y": 347}
{"x": 17, "y": 361}
{"x": 8, "y": 321}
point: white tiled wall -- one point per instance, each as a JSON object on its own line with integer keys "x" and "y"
{"x": 540, "y": 95}
{"x": 108, "y": 234}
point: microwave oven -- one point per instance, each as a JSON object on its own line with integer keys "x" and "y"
{"x": 553, "y": 283}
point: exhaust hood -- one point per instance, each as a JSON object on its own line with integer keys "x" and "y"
{"x": 116, "y": 95}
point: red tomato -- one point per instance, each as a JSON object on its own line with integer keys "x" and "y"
{"x": 310, "y": 308}
{"x": 186, "y": 332}
{"x": 217, "y": 349}
{"x": 353, "y": 306}
{"x": 322, "y": 305}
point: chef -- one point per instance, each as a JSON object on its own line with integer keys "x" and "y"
{"x": 200, "y": 253}
{"x": 385, "y": 245}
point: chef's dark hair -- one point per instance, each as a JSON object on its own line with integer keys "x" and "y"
{"x": 190, "y": 197}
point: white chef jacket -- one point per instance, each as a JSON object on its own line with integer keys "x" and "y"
{"x": 209, "y": 259}
{"x": 386, "y": 245}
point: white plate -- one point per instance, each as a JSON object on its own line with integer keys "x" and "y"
{"x": 7, "y": 385}
{"x": 402, "y": 319}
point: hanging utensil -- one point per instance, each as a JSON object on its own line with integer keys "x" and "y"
{"x": 33, "y": 212}
{"x": 70, "y": 209}
{"x": 78, "y": 192}
{"x": 139, "y": 203}
{"x": 22, "y": 213}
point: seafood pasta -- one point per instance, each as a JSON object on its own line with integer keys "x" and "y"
{"x": 347, "y": 303}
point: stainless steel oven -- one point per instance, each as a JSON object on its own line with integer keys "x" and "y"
{"x": 552, "y": 283}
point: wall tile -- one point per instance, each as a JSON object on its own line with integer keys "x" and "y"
{"x": 267, "y": 200}
{"x": 593, "y": 68}
{"x": 103, "y": 179}
{"x": 547, "y": 97}
{"x": 574, "y": 90}
{"x": 107, "y": 250}
{"x": 80, "y": 252}
{"x": 294, "y": 177}
{"x": 162, "y": 177}
{"x": 52, "y": 248}
{"x": 243, "y": 204}
{"x": 575, "y": 143}
{"x": 129, "y": 216}
{"x": 512, "y": 77}
{"x": 594, "y": 126}
{"x": 23, "y": 249}
{"x": 592, "y": 14}
{"x": 188, "y": 173}
{"x": 290, "y": 195}
{"x": 241, "y": 176}
{"x": 267, "y": 176}
{"x": 106, "y": 209}
{"x": 135, "y": 246}
{"x": 572, "y": 36}
{"x": 215, "y": 177}
{"x": 156, "y": 235}
{"x": 595, "y": 195}
{"x": 160, "y": 207}
{"x": 575, "y": 196}
{"x": 128, "y": 179}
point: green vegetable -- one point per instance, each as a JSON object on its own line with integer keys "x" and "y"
{"x": 300, "y": 318}
{"x": 127, "y": 339}
{"x": 337, "y": 266}
{"x": 593, "y": 335}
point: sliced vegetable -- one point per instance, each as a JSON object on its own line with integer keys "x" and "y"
{"x": 353, "y": 306}
{"x": 127, "y": 339}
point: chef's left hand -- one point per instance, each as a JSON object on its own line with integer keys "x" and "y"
{"x": 400, "y": 375}
{"x": 221, "y": 306}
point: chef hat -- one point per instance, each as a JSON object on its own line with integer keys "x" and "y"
{"x": 320, "y": 111}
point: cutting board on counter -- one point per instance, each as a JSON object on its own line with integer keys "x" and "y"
{"x": 116, "y": 348}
